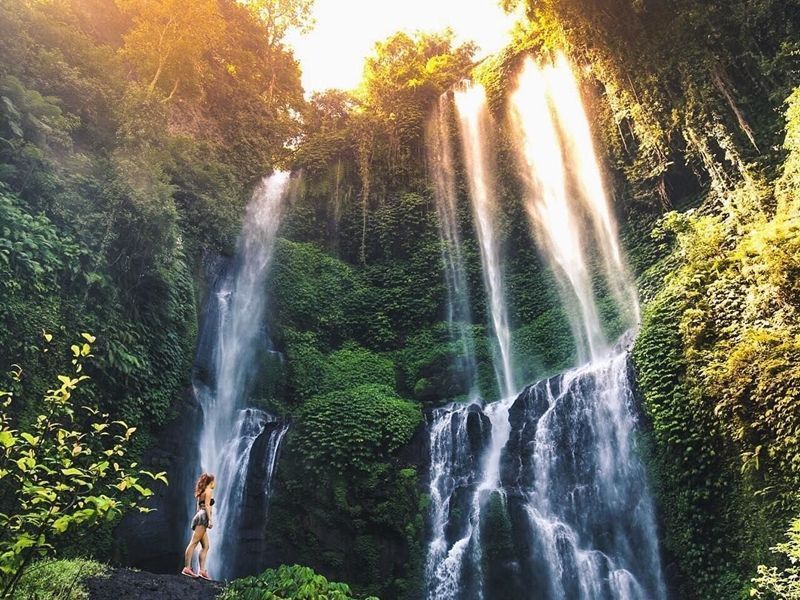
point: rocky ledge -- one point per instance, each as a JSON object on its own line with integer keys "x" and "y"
{"x": 127, "y": 584}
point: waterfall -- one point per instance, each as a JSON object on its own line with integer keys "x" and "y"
{"x": 441, "y": 171}
{"x": 563, "y": 181}
{"x": 459, "y": 434}
{"x": 466, "y": 441}
{"x": 552, "y": 477}
{"x": 583, "y": 521}
{"x": 577, "y": 137}
{"x": 475, "y": 124}
{"x": 235, "y": 332}
{"x": 573, "y": 471}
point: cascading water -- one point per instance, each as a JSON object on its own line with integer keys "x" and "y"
{"x": 458, "y": 435}
{"x": 550, "y": 124}
{"x": 584, "y": 525}
{"x": 559, "y": 462}
{"x": 235, "y": 326}
{"x": 475, "y": 124}
{"x": 576, "y": 476}
{"x": 457, "y": 431}
{"x": 441, "y": 170}
{"x": 465, "y": 460}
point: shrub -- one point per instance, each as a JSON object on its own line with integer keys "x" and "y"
{"x": 349, "y": 430}
{"x": 353, "y": 366}
{"x": 289, "y": 583}
{"x": 57, "y": 579}
{"x": 61, "y": 471}
{"x": 785, "y": 584}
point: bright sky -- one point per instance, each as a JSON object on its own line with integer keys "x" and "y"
{"x": 332, "y": 54}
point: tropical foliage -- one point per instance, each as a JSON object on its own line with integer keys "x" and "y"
{"x": 785, "y": 584}
{"x": 65, "y": 468}
{"x": 58, "y": 579}
{"x": 290, "y": 583}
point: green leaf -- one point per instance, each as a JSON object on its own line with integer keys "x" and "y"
{"x": 61, "y": 524}
{"x": 31, "y": 439}
{"x": 7, "y": 439}
{"x": 26, "y": 464}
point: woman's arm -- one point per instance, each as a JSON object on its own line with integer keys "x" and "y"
{"x": 209, "y": 508}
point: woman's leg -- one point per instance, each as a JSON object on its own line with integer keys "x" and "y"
{"x": 206, "y": 545}
{"x": 197, "y": 535}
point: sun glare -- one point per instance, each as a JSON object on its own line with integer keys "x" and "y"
{"x": 332, "y": 54}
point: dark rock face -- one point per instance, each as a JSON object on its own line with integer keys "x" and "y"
{"x": 251, "y": 550}
{"x": 156, "y": 541}
{"x": 125, "y": 584}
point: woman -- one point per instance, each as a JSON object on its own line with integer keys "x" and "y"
{"x": 201, "y": 523}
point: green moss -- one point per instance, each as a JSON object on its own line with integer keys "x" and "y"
{"x": 347, "y": 431}
{"x": 58, "y": 579}
{"x": 498, "y": 553}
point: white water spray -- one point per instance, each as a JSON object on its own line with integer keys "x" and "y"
{"x": 550, "y": 125}
{"x": 441, "y": 171}
{"x": 476, "y": 129}
{"x": 562, "y": 455}
{"x": 230, "y": 428}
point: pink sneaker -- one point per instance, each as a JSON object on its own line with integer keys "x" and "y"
{"x": 188, "y": 572}
{"x": 204, "y": 575}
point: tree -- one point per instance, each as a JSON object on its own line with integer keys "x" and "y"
{"x": 279, "y": 16}
{"x": 63, "y": 469}
{"x": 253, "y": 94}
{"x": 170, "y": 39}
{"x": 418, "y": 67}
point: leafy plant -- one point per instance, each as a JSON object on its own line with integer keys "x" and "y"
{"x": 288, "y": 583}
{"x": 349, "y": 430}
{"x": 64, "y": 470}
{"x": 781, "y": 584}
{"x": 57, "y": 579}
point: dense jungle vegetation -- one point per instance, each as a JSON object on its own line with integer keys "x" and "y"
{"x": 131, "y": 135}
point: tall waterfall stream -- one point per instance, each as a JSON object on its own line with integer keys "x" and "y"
{"x": 236, "y": 337}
